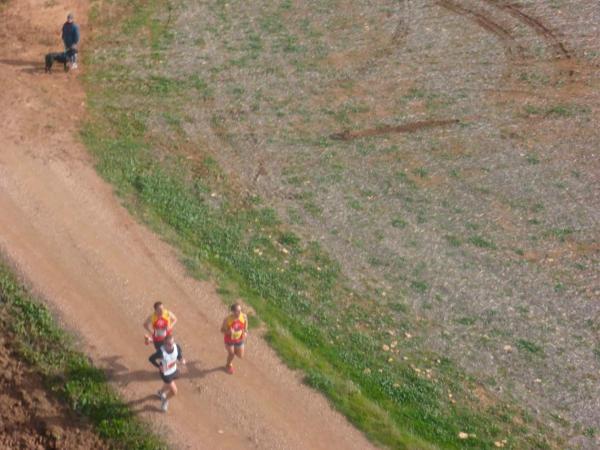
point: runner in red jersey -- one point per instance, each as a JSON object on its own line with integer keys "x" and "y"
{"x": 160, "y": 325}
{"x": 235, "y": 332}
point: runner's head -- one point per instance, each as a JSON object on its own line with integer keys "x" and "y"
{"x": 158, "y": 308}
{"x": 169, "y": 342}
{"x": 70, "y": 17}
{"x": 236, "y": 309}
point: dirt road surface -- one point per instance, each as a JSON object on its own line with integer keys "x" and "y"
{"x": 65, "y": 231}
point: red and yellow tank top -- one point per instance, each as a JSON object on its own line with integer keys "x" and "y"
{"x": 237, "y": 325}
{"x": 161, "y": 325}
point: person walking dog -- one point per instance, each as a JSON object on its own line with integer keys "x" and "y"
{"x": 70, "y": 36}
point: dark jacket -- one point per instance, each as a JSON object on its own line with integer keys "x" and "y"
{"x": 70, "y": 34}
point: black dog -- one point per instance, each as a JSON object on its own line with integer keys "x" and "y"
{"x": 62, "y": 57}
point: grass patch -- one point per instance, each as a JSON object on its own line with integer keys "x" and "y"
{"x": 529, "y": 347}
{"x": 68, "y": 373}
{"x": 480, "y": 242}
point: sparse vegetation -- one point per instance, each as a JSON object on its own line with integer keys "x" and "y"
{"x": 422, "y": 216}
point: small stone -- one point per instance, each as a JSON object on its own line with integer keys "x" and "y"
{"x": 507, "y": 348}
{"x": 386, "y": 348}
{"x": 367, "y": 371}
{"x": 463, "y": 435}
{"x": 499, "y": 444}
{"x": 390, "y": 360}
{"x": 407, "y": 335}
{"x": 537, "y": 380}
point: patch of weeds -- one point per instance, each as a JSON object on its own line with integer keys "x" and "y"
{"x": 201, "y": 85}
{"x": 453, "y": 240}
{"x": 597, "y": 352}
{"x": 403, "y": 178}
{"x": 313, "y": 209}
{"x": 561, "y": 233}
{"x": 398, "y": 222}
{"x": 532, "y": 159}
{"x": 537, "y": 207}
{"x": 419, "y": 286}
{"x": 355, "y": 204}
{"x": 162, "y": 85}
{"x": 318, "y": 381}
{"x": 530, "y": 347}
{"x": 562, "y": 110}
{"x": 294, "y": 216}
{"x": 375, "y": 261}
{"x": 522, "y": 309}
{"x": 481, "y": 242}
{"x": 467, "y": 321}
{"x": 421, "y": 172}
{"x": 289, "y": 239}
{"x": 534, "y": 79}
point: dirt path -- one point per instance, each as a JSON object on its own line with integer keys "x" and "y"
{"x": 62, "y": 227}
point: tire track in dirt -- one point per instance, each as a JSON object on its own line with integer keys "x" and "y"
{"x": 536, "y": 25}
{"x": 406, "y": 128}
{"x": 511, "y": 47}
{"x": 78, "y": 248}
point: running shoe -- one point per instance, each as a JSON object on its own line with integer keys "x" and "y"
{"x": 164, "y": 405}
{"x": 161, "y": 395}
{"x": 229, "y": 370}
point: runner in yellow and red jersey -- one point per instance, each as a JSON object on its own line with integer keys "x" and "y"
{"x": 235, "y": 331}
{"x": 160, "y": 325}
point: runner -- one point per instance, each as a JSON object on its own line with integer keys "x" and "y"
{"x": 166, "y": 359}
{"x": 160, "y": 325}
{"x": 235, "y": 330}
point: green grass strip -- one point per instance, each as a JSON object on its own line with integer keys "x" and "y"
{"x": 68, "y": 373}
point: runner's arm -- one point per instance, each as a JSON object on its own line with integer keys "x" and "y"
{"x": 180, "y": 354}
{"x": 245, "y": 325}
{"x": 173, "y": 320}
{"x": 147, "y": 325}
{"x": 225, "y": 328}
{"x": 155, "y": 358}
